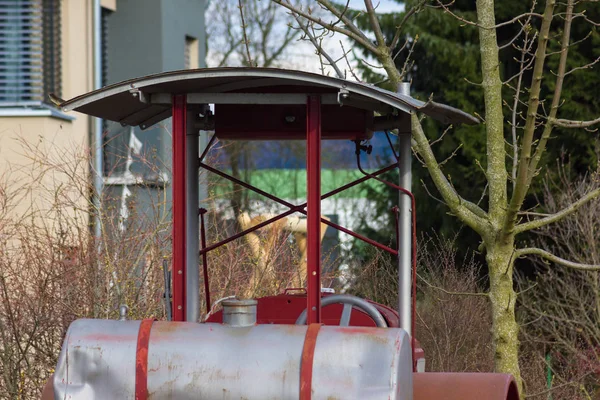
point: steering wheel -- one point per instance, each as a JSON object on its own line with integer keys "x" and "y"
{"x": 349, "y": 301}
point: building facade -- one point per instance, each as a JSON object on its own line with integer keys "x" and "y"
{"x": 48, "y": 52}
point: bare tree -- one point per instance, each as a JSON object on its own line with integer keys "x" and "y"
{"x": 503, "y": 219}
{"x": 251, "y": 33}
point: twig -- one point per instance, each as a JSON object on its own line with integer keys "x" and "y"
{"x": 351, "y": 32}
{"x": 449, "y": 292}
{"x": 414, "y": 9}
{"x": 348, "y": 63}
{"x": 246, "y": 42}
{"x": 318, "y": 46}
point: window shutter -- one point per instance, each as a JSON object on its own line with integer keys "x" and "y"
{"x": 52, "y": 47}
{"x": 104, "y": 44}
{"x": 30, "y": 66}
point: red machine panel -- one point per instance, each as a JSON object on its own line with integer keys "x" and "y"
{"x": 285, "y": 309}
{"x": 288, "y": 122}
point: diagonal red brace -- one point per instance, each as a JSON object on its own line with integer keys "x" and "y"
{"x": 298, "y": 208}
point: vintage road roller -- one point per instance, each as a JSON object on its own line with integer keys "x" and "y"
{"x": 301, "y": 344}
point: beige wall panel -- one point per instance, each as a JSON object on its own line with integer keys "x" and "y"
{"x": 43, "y": 173}
{"x": 109, "y": 4}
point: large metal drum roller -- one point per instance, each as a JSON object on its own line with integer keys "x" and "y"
{"x": 104, "y": 359}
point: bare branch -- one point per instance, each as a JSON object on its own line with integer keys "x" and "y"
{"x": 555, "y": 259}
{"x": 351, "y": 33}
{"x": 518, "y": 17}
{"x": 375, "y": 23}
{"x": 567, "y": 123}
{"x": 318, "y": 46}
{"x": 586, "y": 66}
{"x": 414, "y": 9}
{"x": 461, "y": 19}
{"x": 246, "y": 42}
{"x": 343, "y": 13}
{"x": 345, "y": 55}
{"x": 554, "y": 387}
{"x": 452, "y": 293}
{"x": 526, "y": 169}
{"x": 408, "y": 63}
{"x": 466, "y": 211}
{"x": 524, "y": 26}
{"x": 522, "y": 69}
{"x": 431, "y": 194}
{"x": 494, "y": 27}
{"x": 556, "y": 98}
{"x": 332, "y": 8}
{"x": 527, "y": 226}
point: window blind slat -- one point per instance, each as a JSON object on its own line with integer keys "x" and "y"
{"x": 30, "y": 65}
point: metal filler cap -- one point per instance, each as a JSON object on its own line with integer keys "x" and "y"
{"x": 239, "y": 313}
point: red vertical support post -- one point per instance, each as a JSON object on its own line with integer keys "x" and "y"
{"x": 313, "y": 185}
{"x": 178, "y": 133}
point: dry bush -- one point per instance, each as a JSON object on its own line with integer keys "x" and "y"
{"x": 234, "y": 270}
{"x": 561, "y": 309}
{"x": 52, "y": 269}
{"x": 376, "y": 279}
{"x": 453, "y": 316}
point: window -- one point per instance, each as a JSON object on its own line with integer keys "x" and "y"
{"x": 30, "y": 62}
{"x": 191, "y": 53}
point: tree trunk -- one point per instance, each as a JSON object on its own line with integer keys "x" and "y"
{"x": 502, "y": 297}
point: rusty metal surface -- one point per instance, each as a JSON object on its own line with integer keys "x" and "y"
{"x": 464, "y": 386}
{"x": 213, "y": 361}
{"x": 141, "y": 360}
{"x": 121, "y": 102}
{"x": 308, "y": 357}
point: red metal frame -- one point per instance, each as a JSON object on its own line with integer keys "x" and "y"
{"x": 202, "y": 211}
{"x": 314, "y": 197}
{"x": 313, "y": 216}
{"x": 298, "y": 208}
{"x": 179, "y": 204}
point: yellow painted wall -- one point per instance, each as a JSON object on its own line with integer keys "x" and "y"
{"x": 44, "y": 160}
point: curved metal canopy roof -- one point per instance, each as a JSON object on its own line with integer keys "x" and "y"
{"x": 145, "y": 101}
